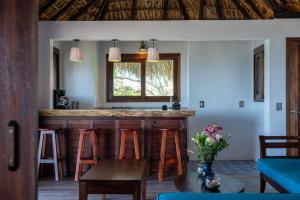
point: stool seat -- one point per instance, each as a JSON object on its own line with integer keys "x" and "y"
{"x": 163, "y": 161}
{"x": 56, "y": 157}
{"x": 81, "y": 160}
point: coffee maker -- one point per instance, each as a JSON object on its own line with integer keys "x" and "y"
{"x": 60, "y": 101}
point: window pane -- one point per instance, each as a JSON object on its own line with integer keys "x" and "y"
{"x": 127, "y": 79}
{"x": 159, "y": 78}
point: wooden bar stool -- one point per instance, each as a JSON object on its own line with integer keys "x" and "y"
{"x": 56, "y": 159}
{"x": 133, "y": 134}
{"x": 162, "y": 162}
{"x": 91, "y": 133}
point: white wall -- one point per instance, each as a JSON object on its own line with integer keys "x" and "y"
{"x": 220, "y": 75}
{"x": 273, "y": 32}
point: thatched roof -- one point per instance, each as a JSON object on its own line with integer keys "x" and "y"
{"x": 94, "y": 10}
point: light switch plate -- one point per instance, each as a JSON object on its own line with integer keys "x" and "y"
{"x": 201, "y": 104}
{"x": 278, "y": 106}
{"x": 241, "y": 104}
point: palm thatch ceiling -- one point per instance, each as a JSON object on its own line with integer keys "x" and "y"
{"x": 95, "y": 10}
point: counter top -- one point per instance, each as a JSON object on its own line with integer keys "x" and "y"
{"x": 117, "y": 112}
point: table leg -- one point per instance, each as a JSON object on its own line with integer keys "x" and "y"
{"x": 144, "y": 185}
{"x": 82, "y": 191}
{"x": 137, "y": 193}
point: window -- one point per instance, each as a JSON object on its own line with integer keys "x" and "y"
{"x": 134, "y": 79}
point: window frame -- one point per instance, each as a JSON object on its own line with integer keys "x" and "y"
{"x": 141, "y": 58}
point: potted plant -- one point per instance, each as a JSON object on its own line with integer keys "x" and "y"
{"x": 209, "y": 143}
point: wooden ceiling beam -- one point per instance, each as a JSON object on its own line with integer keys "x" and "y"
{"x": 82, "y": 10}
{"x": 102, "y": 10}
{"x": 201, "y": 10}
{"x": 274, "y": 6}
{"x": 241, "y": 9}
{"x": 255, "y": 9}
{"x": 133, "y": 10}
{"x": 219, "y": 10}
{"x": 45, "y": 6}
{"x": 183, "y": 10}
{"x": 287, "y": 14}
{"x": 63, "y": 10}
{"x": 166, "y": 5}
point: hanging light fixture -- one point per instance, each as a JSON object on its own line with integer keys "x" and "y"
{"x": 142, "y": 48}
{"x": 153, "y": 54}
{"x": 114, "y": 52}
{"x": 76, "y": 53}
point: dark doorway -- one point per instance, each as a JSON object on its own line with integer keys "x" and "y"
{"x": 293, "y": 88}
{"x": 56, "y": 68}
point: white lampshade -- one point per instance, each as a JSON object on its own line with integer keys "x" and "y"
{"x": 114, "y": 54}
{"x": 153, "y": 55}
{"x": 76, "y": 54}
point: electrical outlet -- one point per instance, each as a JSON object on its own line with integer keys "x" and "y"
{"x": 201, "y": 104}
{"x": 241, "y": 104}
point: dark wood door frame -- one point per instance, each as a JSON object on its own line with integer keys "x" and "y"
{"x": 18, "y": 99}
{"x": 292, "y": 89}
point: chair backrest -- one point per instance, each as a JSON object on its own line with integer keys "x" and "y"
{"x": 279, "y": 142}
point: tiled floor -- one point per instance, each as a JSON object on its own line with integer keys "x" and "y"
{"x": 68, "y": 189}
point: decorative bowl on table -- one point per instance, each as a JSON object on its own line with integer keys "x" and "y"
{"x": 212, "y": 182}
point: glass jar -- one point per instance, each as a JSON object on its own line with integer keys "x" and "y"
{"x": 212, "y": 182}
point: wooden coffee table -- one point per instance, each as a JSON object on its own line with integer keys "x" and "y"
{"x": 115, "y": 177}
{"x": 191, "y": 182}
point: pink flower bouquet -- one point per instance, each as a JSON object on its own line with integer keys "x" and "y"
{"x": 209, "y": 142}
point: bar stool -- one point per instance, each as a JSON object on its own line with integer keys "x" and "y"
{"x": 56, "y": 159}
{"x": 162, "y": 162}
{"x": 133, "y": 134}
{"x": 91, "y": 133}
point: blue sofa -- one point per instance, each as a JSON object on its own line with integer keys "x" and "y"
{"x": 226, "y": 196}
{"x": 283, "y": 172}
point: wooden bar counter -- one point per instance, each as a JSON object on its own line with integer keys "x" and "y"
{"x": 108, "y": 122}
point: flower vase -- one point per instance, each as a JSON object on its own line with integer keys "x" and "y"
{"x": 205, "y": 169}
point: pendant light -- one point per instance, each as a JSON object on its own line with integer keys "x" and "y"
{"x": 114, "y": 52}
{"x": 76, "y": 53}
{"x": 142, "y": 48}
{"x": 153, "y": 54}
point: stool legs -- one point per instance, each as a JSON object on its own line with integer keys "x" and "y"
{"x": 134, "y": 135}
{"x": 163, "y": 151}
{"x": 80, "y": 153}
{"x": 178, "y": 154}
{"x": 40, "y": 151}
{"x": 54, "y": 150}
{"x": 162, "y": 156}
{"x": 56, "y": 161}
{"x": 122, "y": 145}
{"x": 136, "y": 145}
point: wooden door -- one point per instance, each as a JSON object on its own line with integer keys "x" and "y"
{"x": 293, "y": 88}
{"x": 18, "y": 93}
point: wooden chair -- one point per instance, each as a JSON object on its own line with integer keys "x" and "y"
{"x": 162, "y": 162}
{"x": 134, "y": 135}
{"x": 81, "y": 160}
{"x": 56, "y": 159}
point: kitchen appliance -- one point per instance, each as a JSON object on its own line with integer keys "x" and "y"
{"x": 60, "y": 101}
{"x": 63, "y": 103}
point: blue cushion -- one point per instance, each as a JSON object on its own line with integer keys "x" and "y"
{"x": 226, "y": 196}
{"x": 285, "y": 172}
